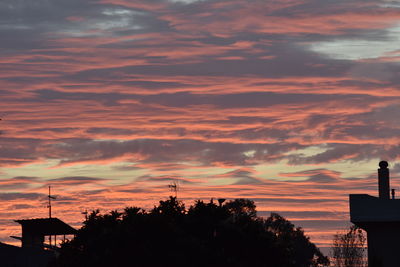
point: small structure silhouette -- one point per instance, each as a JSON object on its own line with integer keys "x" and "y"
{"x": 380, "y": 218}
{"x": 35, "y": 230}
{"x": 174, "y": 187}
{"x": 34, "y": 251}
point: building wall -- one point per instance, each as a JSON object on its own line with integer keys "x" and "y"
{"x": 383, "y": 245}
{"x": 12, "y": 256}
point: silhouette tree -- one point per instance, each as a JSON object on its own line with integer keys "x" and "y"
{"x": 297, "y": 249}
{"x": 206, "y": 234}
{"x": 349, "y": 248}
{"x": 171, "y": 208}
{"x": 242, "y": 208}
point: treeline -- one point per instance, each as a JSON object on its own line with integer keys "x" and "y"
{"x": 205, "y": 234}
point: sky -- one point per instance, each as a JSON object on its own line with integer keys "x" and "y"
{"x": 290, "y": 103}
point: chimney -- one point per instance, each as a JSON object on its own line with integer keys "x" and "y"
{"x": 383, "y": 180}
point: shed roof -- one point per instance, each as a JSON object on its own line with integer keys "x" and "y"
{"x": 46, "y": 226}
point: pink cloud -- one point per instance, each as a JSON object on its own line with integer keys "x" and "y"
{"x": 203, "y": 93}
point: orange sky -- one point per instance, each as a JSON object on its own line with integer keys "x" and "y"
{"x": 289, "y": 103}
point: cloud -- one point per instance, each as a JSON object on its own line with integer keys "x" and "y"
{"x": 21, "y": 206}
{"x": 355, "y": 49}
{"x": 165, "y": 178}
{"x": 110, "y": 100}
{"x": 18, "y": 196}
{"x": 317, "y": 175}
{"x": 18, "y": 183}
{"x": 76, "y": 180}
{"x": 161, "y": 151}
{"x": 240, "y": 176}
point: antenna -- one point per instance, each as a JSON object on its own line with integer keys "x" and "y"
{"x": 50, "y": 198}
{"x": 174, "y": 187}
{"x": 49, "y": 206}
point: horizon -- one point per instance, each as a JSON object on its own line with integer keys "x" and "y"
{"x": 291, "y": 104}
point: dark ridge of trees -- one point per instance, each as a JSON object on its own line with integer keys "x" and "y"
{"x": 205, "y": 234}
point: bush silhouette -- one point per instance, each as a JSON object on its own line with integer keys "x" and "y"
{"x": 205, "y": 234}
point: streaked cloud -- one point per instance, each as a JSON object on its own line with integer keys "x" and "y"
{"x": 289, "y": 103}
{"x": 357, "y": 49}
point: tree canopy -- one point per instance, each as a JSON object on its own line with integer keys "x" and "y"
{"x": 349, "y": 249}
{"x": 205, "y": 234}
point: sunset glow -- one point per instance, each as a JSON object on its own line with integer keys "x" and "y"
{"x": 289, "y": 103}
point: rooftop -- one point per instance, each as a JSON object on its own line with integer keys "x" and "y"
{"x": 47, "y": 226}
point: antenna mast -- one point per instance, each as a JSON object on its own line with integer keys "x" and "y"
{"x": 49, "y": 206}
{"x": 174, "y": 188}
{"x": 50, "y": 198}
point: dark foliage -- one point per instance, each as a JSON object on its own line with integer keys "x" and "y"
{"x": 206, "y": 234}
{"x": 349, "y": 249}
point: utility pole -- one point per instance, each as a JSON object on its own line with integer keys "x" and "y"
{"x": 50, "y": 198}
{"x": 49, "y": 206}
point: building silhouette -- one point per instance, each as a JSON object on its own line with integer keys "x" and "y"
{"x": 34, "y": 251}
{"x": 34, "y": 232}
{"x": 380, "y": 218}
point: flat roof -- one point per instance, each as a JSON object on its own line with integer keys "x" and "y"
{"x": 46, "y": 226}
{"x": 366, "y": 208}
